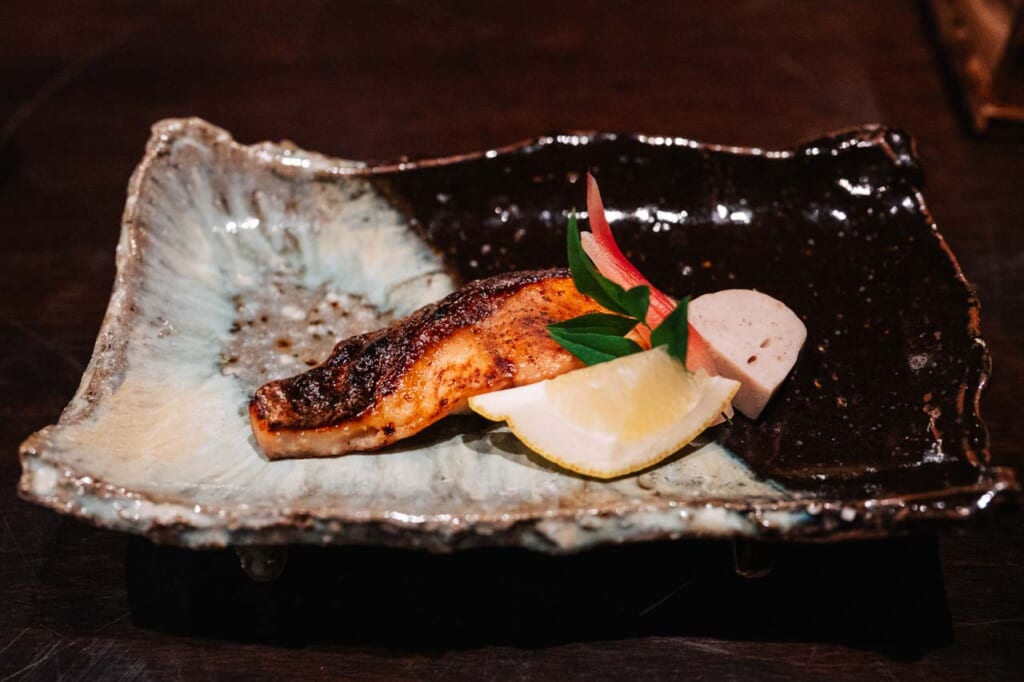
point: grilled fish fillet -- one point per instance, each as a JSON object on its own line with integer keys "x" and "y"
{"x": 381, "y": 387}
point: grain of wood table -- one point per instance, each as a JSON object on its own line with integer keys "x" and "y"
{"x": 80, "y": 86}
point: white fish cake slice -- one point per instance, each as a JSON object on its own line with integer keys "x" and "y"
{"x": 753, "y": 338}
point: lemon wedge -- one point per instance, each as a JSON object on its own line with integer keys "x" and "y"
{"x": 614, "y": 418}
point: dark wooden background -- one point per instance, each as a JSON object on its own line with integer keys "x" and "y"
{"x": 79, "y": 86}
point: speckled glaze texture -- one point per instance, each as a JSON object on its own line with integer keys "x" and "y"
{"x": 239, "y": 265}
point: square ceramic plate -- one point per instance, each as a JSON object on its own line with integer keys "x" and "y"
{"x": 239, "y": 264}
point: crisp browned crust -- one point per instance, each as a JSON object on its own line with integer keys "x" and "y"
{"x": 380, "y": 387}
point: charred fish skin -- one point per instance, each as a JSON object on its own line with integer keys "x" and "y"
{"x": 380, "y": 387}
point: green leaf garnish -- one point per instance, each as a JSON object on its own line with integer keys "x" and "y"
{"x": 596, "y": 323}
{"x": 599, "y": 337}
{"x": 591, "y": 282}
{"x": 636, "y": 301}
{"x": 674, "y": 331}
{"x": 593, "y": 348}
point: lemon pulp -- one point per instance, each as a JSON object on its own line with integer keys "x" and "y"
{"x": 630, "y": 399}
{"x": 614, "y": 418}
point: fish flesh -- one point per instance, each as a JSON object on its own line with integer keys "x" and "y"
{"x": 386, "y": 385}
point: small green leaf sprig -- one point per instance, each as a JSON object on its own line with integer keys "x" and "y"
{"x": 599, "y": 337}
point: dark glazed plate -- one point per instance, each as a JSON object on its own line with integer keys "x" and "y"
{"x": 877, "y": 430}
{"x": 884, "y": 400}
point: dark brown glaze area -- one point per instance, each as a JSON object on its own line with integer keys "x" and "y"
{"x": 363, "y": 369}
{"x": 880, "y": 400}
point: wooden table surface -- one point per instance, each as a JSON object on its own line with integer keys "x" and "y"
{"x": 80, "y": 86}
